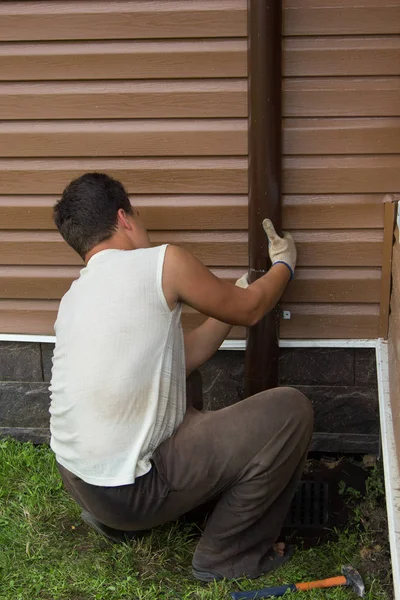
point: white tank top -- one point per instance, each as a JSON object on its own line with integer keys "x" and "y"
{"x": 118, "y": 377}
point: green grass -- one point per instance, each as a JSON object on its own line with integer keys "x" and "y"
{"x": 47, "y": 553}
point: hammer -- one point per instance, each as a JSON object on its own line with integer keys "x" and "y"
{"x": 350, "y": 577}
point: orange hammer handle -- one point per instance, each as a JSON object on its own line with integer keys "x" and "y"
{"x": 324, "y": 583}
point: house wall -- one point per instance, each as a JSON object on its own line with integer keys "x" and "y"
{"x": 341, "y": 106}
{"x": 157, "y": 95}
{"x": 154, "y": 93}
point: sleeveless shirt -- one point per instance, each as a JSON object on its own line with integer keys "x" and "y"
{"x": 118, "y": 376}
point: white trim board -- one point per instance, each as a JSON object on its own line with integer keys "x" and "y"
{"x": 390, "y": 462}
{"x": 226, "y": 345}
{"x": 241, "y": 344}
{"x": 19, "y": 337}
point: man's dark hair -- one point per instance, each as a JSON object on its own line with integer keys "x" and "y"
{"x": 86, "y": 214}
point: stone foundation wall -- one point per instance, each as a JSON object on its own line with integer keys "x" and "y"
{"x": 341, "y": 383}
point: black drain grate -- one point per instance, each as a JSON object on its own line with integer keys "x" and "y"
{"x": 310, "y": 506}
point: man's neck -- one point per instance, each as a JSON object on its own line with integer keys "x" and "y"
{"x": 111, "y": 244}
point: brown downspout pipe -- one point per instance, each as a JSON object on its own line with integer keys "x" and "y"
{"x": 264, "y": 65}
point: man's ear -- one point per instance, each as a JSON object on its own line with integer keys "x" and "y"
{"x": 124, "y": 220}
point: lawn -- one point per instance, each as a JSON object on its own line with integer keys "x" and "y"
{"x": 47, "y": 553}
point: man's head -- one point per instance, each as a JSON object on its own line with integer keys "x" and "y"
{"x": 94, "y": 211}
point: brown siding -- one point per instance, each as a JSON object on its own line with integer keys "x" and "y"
{"x": 342, "y": 56}
{"x": 341, "y": 17}
{"x": 152, "y": 93}
{"x": 123, "y": 60}
{"x": 216, "y": 248}
{"x": 53, "y": 20}
{"x": 164, "y": 137}
{"x": 188, "y": 137}
{"x": 140, "y": 175}
{"x": 172, "y": 98}
{"x": 157, "y": 96}
{"x": 322, "y": 96}
{"x": 341, "y": 106}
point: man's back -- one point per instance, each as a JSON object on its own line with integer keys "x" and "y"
{"x": 118, "y": 380}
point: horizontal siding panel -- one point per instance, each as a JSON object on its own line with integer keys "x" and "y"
{"x": 338, "y": 56}
{"x": 193, "y": 212}
{"x": 124, "y": 99}
{"x": 341, "y": 97}
{"x": 340, "y": 17}
{"x": 307, "y": 321}
{"x": 337, "y": 175}
{"x": 216, "y": 248}
{"x": 52, "y": 282}
{"x": 123, "y": 60}
{"x": 309, "y": 285}
{"x": 364, "y": 211}
{"x": 121, "y": 20}
{"x": 206, "y": 137}
{"x": 157, "y": 212}
{"x": 37, "y": 317}
{"x": 334, "y": 285}
{"x": 334, "y": 211}
{"x": 48, "y": 248}
{"x": 146, "y": 176}
{"x": 174, "y": 137}
{"x": 302, "y": 57}
{"x": 330, "y": 321}
{"x": 182, "y": 137}
{"x": 27, "y": 212}
{"x": 45, "y": 283}
{"x": 340, "y": 136}
{"x": 339, "y": 248}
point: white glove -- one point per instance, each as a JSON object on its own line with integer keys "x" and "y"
{"x": 243, "y": 282}
{"x": 281, "y": 249}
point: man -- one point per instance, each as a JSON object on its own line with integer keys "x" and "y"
{"x": 129, "y": 449}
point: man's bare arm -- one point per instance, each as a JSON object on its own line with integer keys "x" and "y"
{"x": 202, "y": 343}
{"x": 187, "y": 280}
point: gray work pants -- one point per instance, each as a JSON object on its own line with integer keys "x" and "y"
{"x": 247, "y": 457}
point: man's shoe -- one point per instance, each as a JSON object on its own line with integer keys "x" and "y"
{"x": 113, "y": 535}
{"x": 206, "y": 576}
{"x": 275, "y": 560}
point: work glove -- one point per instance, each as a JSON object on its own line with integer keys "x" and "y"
{"x": 243, "y": 282}
{"x": 281, "y": 249}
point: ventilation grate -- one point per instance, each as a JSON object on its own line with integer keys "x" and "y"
{"x": 310, "y": 506}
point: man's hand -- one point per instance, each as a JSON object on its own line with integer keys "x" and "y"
{"x": 243, "y": 281}
{"x": 281, "y": 249}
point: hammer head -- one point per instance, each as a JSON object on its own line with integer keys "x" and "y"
{"x": 354, "y": 580}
